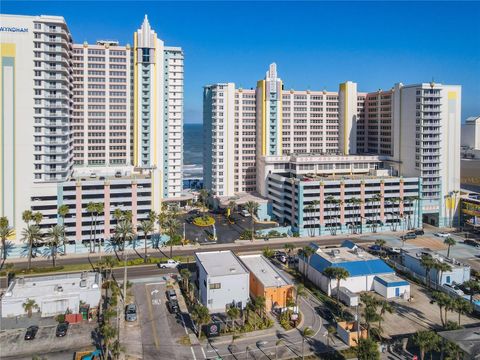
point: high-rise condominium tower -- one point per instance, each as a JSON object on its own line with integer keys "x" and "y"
{"x": 158, "y": 109}
{"x": 36, "y": 86}
{"x": 102, "y": 99}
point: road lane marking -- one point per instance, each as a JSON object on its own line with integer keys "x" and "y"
{"x": 193, "y": 353}
{"x": 152, "y": 323}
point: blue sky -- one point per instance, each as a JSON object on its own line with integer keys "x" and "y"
{"x": 316, "y": 45}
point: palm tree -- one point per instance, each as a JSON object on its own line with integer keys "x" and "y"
{"x": 472, "y": 287}
{"x": 252, "y": 208}
{"x": 31, "y": 235}
{"x": 185, "y": 274}
{"x": 232, "y": 205}
{"x": 37, "y": 217}
{"x": 201, "y": 316}
{"x": 99, "y": 210}
{"x": 462, "y": 306}
{"x": 29, "y": 305}
{"x": 27, "y": 216}
{"x": 316, "y": 204}
{"x": 108, "y": 333}
{"x": 5, "y": 232}
{"x": 55, "y": 237}
{"x": 427, "y": 341}
{"x": 427, "y": 263}
{"x": 233, "y": 313}
{"x": 441, "y": 267}
{"x": 147, "y": 227}
{"x": 91, "y": 208}
{"x": 123, "y": 233}
{"x": 370, "y": 312}
{"x": 267, "y": 252}
{"x": 308, "y": 210}
{"x": 299, "y": 291}
{"x": 307, "y": 253}
{"x": 337, "y": 273}
{"x": 385, "y": 307}
{"x": 62, "y": 212}
{"x": 172, "y": 227}
{"x": 449, "y": 242}
{"x": 306, "y": 333}
{"x": 204, "y": 198}
{"x": 288, "y": 249}
{"x": 381, "y": 243}
{"x": 367, "y": 349}
{"x": 441, "y": 299}
{"x": 259, "y": 306}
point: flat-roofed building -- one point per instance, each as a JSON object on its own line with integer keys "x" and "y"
{"x": 54, "y": 294}
{"x": 223, "y": 281}
{"x": 267, "y": 281}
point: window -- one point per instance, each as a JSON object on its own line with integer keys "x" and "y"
{"x": 215, "y": 286}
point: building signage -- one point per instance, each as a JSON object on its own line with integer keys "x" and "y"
{"x": 212, "y": 329}
{"x": 13, "y": 29}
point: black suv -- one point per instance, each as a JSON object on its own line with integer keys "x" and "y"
{"x": 419, "y": 232}
{"x": 171, "y": 295}
{"x": 173, "y": 306}
{"x": 62, "y": 329}
{"x": 31, "y": 332}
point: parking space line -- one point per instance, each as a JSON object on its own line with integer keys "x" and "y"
{"x": 152, "y": 322}
{"x": 203, "y": 352}
{"x": 193, "y": 353}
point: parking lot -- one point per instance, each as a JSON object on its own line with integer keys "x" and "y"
{"x": 79, "y": 337}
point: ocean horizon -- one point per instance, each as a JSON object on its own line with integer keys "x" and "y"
{"x": 193, "y": 150}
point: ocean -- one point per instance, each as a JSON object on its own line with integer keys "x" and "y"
{"x": 192, "y": 151}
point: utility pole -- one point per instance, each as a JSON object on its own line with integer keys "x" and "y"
{"x": 124, "y": 275}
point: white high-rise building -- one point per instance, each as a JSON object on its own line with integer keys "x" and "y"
{"x": 158, "y": 110}
{"x": 36, "y": 86}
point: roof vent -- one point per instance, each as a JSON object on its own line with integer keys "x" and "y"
{"x": 21, "y": 281}
{"x": 263, "y": 270}
{"x": 83, "y": 283}
{"x": 336, "y": 253}
{"x": 232, "y": 269}
{"x": 58, "y": 288}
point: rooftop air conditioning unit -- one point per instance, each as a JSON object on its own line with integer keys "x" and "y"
{"x": 83, "y": 283}
{"x": 58, "y": 288}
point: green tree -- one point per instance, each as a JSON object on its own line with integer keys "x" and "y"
{"x": 201, "y": 316}
{"x": 306, "y": 253}
{"x": 91, "y": 209}
{"x": 203, "y": 195}
{"x": 123, "y": 233}
{"x": 32, "y": 236}
{"x": 29, "y": 305}
{"x": 5, "y": 232}
{"x": 449, "y": 242}
{"x": 252, "y": 208}
{"x": 185, "y": 274}
{"x": 62, "y": 212}
{"x": 147, "y": 227}
{"x": 172, "y": 226}
{"x": 108, "y": 334}
{"x": 367, "y": 349}
{"x": 472, "y": 287}
{"x": 27, "y": 216}
{"x": 381, "y": 243}
{"x": 233, "y": 313}
{"x": 427, "y": 263}
{"x": 299, "y": 291}
{"x": 331, "y": 331}
{"x": 426, "y": 341}
{"x": 462, "y": 306}
{"x": 337, "y": 273}
{"x": 259, "y": 306}
{"x": 37, "y": 217}
{"x": 306, "y": 333}
{"x": 441, "y": 268}
{"x": 55, "y": 237}
{"x": 267, "y": 252}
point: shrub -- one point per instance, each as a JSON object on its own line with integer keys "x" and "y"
{"x": 204, "y": 220}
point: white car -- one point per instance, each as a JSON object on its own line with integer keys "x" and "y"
{"x": 452, "y": 289}
{"x": 442, "y": 234}
{"x": 244, "y": 213}
{"x": 170, "y": 264}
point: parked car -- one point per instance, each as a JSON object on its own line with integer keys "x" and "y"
{"x": 419, "y": 232}
{"x": 409, "y": 236}
{"x": 131, "y": 312}
{"x": 173, "y": 306}
{"x": 453, "y": 289}
{"x": 261, "y": 343}
{"x": 244, "y": 213}
{"x": 118, "y": 174}
{"x": 375, "y": 248}
{"x": 395, "y": 250}
{"x": 171, "y": 294}
{"x": 31, "y": 332}
{"x": 62, "y": 329}
{"x": 472, "y": 243}
{"x": 442, "y": 234}
{"x": 170, "y": 264}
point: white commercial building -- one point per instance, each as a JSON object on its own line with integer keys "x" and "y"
{"x": 223, "y": 280}
{"x": 54, "y": 294}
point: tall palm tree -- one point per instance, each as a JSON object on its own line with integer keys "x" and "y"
{"x": 99, "y": 210}
{"x": 124, "y": 232}
{"x": 5, "y": 232}
{"x": 162, "y": 221}
{"x": 55, "y": 237}
{"x": 37, "y": 217}
{"x": 330, "y": 200}
{"x": 306, "y": 333}
{"x": 299, "y": 291}
{"x": 472, "y": 287}
{"x": 201, "y": 316}
{"x": 427, "y": 263}
{"x": 441, "y": 299}
{"x": 307, "y": 253}
{"x": 449, "y": 242}
{"x": 172, "y": 228}
{"x": 367, "y": 349}
{"x": 233, "y": 313}
{"x": 441, "y": 267}
{"x": 252, "y": 208}
{"x": 309, "y": 209}
{"x": 27, "y": 216}
{"x": 316, "y": 204}
{"x": 185, "y": 274}
{"x": 91, "y": 209}
{"x": 462, "y": 306}
{"x": 147, "y": 227}
{"x": 232, "y": 205}
{"x": 203, "y": 195}
{"x": 62, "y": 212}
{"x": 31, "y": 235}
{"x": 381, "y": 243}
{"x": 426, "y": 341}
{"x": 337, "y": 273}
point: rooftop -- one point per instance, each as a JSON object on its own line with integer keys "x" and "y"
{"x": 390, "y": 280}
{"x": 357, "y": 261}
{"x": 417, "y": 253}
{"x": 264, "y": 271}
{"x": 220, "y": 263}
{"x": 467, "y": 339}
{"x": 50, "y": 285}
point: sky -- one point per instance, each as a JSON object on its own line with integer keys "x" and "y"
{"x": 316, "y": 45}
